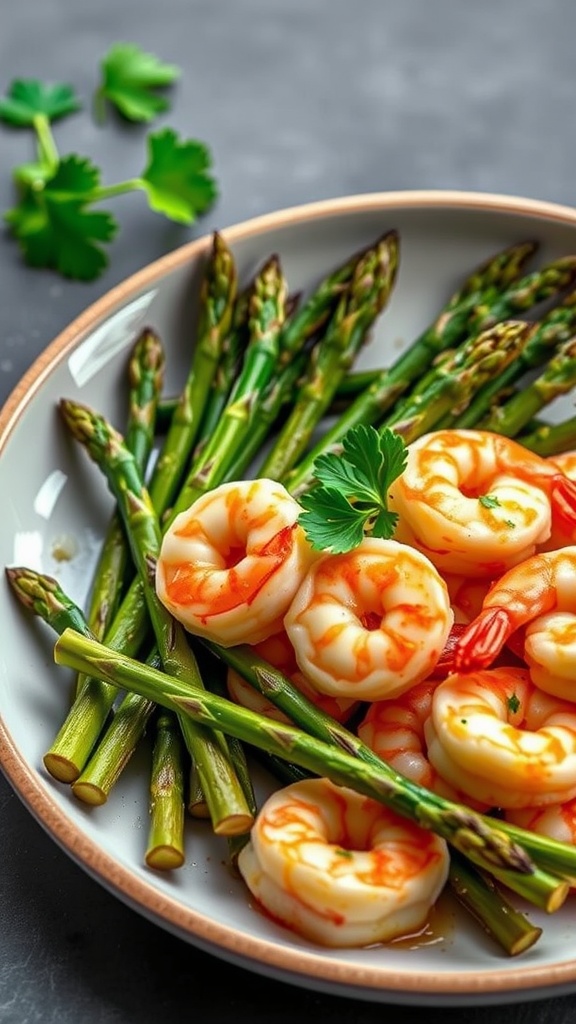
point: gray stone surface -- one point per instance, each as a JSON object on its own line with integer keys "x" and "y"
{"x": 299, "y": 100}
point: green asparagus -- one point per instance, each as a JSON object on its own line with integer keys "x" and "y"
{"x": 481, "y": 841}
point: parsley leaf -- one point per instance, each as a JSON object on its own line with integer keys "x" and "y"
{"x": 489, "y": 501}
{"x": 351, "y": 499}
{"x": 28, "y": 98}
{"x": 177, "y": 179}
{"x": 130, "y": 78}
{"x": 55, "y": 229}
{"x": 513, "y": 703}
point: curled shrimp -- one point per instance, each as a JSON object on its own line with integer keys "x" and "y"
{"x": 562, "y": 533}
{"x": 370, "y": 623}
{"x": 477, "y": 503}
{"x": 497, "y": 737}
{"x": 230, "y": 565}
{"x": 341, "y": 869}
{"x": 557, "y": 821}
{"x": 539, "y": 594}
{"x": 395, "y": 730}
{"x": 278, "y": 651}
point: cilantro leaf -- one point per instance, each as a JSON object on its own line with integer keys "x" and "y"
{"x": 177, "y": 179}
{"x": 350, "y": 499}
{"x": 130, "y": 78}
{"x": 28, "y": 97}
{"x": 330, "y": 522}
{"x": 54, "y": 228}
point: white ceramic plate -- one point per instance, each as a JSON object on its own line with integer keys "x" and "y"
{"x": 53, "y": 495}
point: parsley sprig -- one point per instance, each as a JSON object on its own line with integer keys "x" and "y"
{"x": 350, "y": 499}
{"x": 54, "y": 221}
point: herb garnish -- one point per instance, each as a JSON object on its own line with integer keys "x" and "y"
{"x": 351, "y": 498}
{"x": 54, "y": 220}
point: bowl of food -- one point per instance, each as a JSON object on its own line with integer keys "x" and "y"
{"x": 385, "y": 377}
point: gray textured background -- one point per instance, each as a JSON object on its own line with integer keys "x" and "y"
{"x": 299, "y": 100}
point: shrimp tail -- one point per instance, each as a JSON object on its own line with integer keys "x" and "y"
{"x": 482, "y": 640}
{"x": 564, "y": 500}
{"x": 445, "y": 664}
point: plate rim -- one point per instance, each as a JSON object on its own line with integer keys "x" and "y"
{"x": 300, "y": 966}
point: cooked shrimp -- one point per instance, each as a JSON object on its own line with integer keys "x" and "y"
{"x": 278, "y": 651}
{"x": 370, "y": 623}
{"x": 341, "y": 869}
{"x": 466, "y": 595}
{"x": 477, "y": 503}
{"x": 557, "y": 821}
{"x": 496, "y": 736}
{"x": 562, "y": 533}
{"x": 394, "y": 729}
{"x": 230, "y": 565}
{"x": 544, "y": 583}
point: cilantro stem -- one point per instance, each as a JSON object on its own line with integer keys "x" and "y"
{"x": 47, "y": 150}
{"x": 119, "y": 189}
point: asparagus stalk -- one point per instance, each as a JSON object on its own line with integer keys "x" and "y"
{"x": 450, "y": 328}
{"x": 145, "y": 377}
{"x": 266, "y": 318}
{"x": 217, "y": 297}
{"x": 277, "y": 397}
{"x": 146, "y": 380}
{"x": 228, "y": 808}
{"x": 43, "y": 596}
{"x": 233, "y": 347}
{"x": 111, "y": 753}
{"x": 165, "y": 849}
{"x": 349, "y": 387}
{"x": 366, "y": 296}
{"x": 115, "y": 747}
{"x": 540, "y": 286}
{"x": 474, "y": 836}
{"x": 276, "y": 687}
{"x": 551, "y": 438}
{"x": 481, "y": 897}
{"x": 558, "y": 378}
{"x": 481, "y": 358}
{"x": 553, "y": 329}
{"x": 310, "y": 317}
{"x": 79, "y": 731}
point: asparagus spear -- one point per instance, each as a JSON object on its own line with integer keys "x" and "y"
{"x": 145, "y": 376}
{"x": 217, "y": 297}
{"x": 558, "y": 378}
{"x": 43, "y": 596}
{"x": 366, "y": 296}
{"x": 111, "y": 752}
{"x": 276, "y": 398}
{"x": 115, "y": 747}
{"x": 165, "y": 849}
{"x": 554, "y": 328}
{"x": 233, "y": 347}
{"x": 228, "y": 808}
{"x": 551, "y": 438}
{"x": 475, "y": 837}
{"x": 349, "y": 387}
{"x": 540, "y": 286}
{"x": 482, "y": 357}
{"x": 450, "y": 328}
{"x": 78, "y": 733}
{"x": 266, "y": 318}
{"x": 478, "y": 893}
